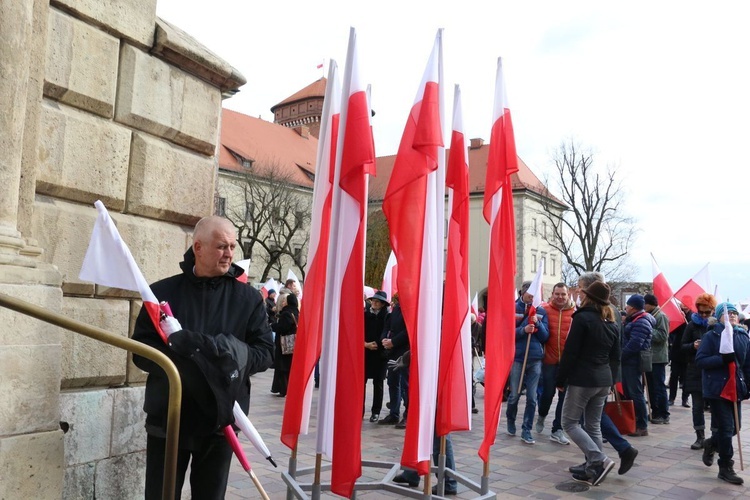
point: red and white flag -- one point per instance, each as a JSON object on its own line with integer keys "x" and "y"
{"x": 502, "y": 162}
{"x": 665, "y": 297}
{"x": 726, "y": 346}
{"x": 342, "y": 356}
{"x": 108, "y": 262}
{"x": 291, "y": 276}
{"x": 309, "y": 331}
{"x": 454, "y": 379}
{"x": 268, "y": 286}
{"x": 698, "y": 284}
{"x": 414, "y": 206}
{"x": 390, "y": 277}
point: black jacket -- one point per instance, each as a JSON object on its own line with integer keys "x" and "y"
{"x": 375, "y": 361}
{"x": 591, "y": 357}
{"x": 693, "y": 331}
{"x": 395, "y": 329}
{"x": 286, "y": 325}
{"x": 206, "y": 307}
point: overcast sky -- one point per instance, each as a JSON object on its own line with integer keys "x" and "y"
{"x": 657, "y": 89}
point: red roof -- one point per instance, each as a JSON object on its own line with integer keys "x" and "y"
{"x": 315, "y": 89}
{"x": 267, "y": 145}
{"x": 523, "y": 179}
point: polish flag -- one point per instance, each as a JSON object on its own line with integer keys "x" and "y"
{"x": 454, "y": 380}
{"x": 665, "y": 297}
{"x": 726, "y": 346}
{"x": 414, "y": 205}
{"x": 498, "y": 212}
{"x": 269, "y": 285}
{"x": 698, "y": 284}
{"x": 390, "y": 277}
{"x": 309, "y": 330}
{"x": 108, "y": 262}
{"x": 341, "y": 397}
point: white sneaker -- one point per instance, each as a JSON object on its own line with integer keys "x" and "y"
{"x": 559, "y": 437}
{"x": 540, "y": 424}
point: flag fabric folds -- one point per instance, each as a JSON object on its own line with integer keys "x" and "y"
{"x": 390, "y": 277}
{"x": 698, "y": 284}
{"x": 309, "y": 330}
{"x": 454, "y": 379}
{"x": 726, "y": 346}
{"x": 108, "y": 262}
{"x": 665, "y": 297}
{"x": 499, "y": 340}
{"x": 414, "y": 206}
{"x": 342, "y": 356}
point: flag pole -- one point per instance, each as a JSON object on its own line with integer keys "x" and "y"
{"x": 441, "y": 467}
{"x": 292, "y": 470}
{"x": 316, "y": 481}
{"x": 525, "y": 358}
{"x": 486, "y": 478}
{"x": 648, "y": 394}
{"x": 737, "y": 429}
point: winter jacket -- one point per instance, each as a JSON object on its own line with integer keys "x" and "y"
{"x": 715, "y": 372}
{"x": 395, "y": 329}
{"x": 693, "y": 331}
{"x": 375, "y": 361}
{"x": 559, "y": 325}
{"x": 660, "y": 337}
{"x": 636, "y": 337}
{"x": 591, "y": 357}
{"x": 538, "y": 338}
{"x": 206, "y": 307}
{"x": 286, "y": 325}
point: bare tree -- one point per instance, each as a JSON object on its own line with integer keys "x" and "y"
{"x": 272, "y": 222}
{"x": 378, "y": 248}
{"x": 595, "y": 234}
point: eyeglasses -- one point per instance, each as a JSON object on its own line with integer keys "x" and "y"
{"x": 705, "y": 313}
{"x": 733, "y": 313}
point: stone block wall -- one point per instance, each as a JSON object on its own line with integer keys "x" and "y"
{"x": 104, "y": 102}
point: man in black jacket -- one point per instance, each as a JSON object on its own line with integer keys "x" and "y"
{"x": 228, "y": 319}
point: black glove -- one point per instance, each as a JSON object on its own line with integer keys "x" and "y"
{"x": 727, "y": 357}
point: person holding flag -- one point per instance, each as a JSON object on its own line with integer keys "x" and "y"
{"x": 531, "y": 333}
{"x": 225, "y": 320}
{"x": 724, "y": 357}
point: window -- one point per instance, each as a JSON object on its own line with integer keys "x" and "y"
{"x": 533, "y": 261}
{"x": 249, "y": 210}
{"x": 553, "y": 266}
{"x": 533, "y": 227}
{"x": 247, "y": 163}
{"x": 544, "y": 229}
{"x": 297, "y": 249}
{"x": 247, "y": 250}
{"x": 220, "y": 206}
{"x": 299, "y": 217}
{"x": 544, "y": 262}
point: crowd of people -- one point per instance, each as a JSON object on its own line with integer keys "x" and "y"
{"x": 578, "y": 351}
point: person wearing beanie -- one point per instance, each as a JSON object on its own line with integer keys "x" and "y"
{"x": 657, "y": 377}
{"x": 636, "y": 337}
{"x": 691, "y": 340}
{"x": 716, "y": 372}
{"x": 588, "y": 369}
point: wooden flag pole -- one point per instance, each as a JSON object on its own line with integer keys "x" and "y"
{"x": 316, "y": 481}
{"x": 258, "y": 486}
{"x": 525, "y": 358}
{"x": 486, "y": 478}
{"x": 737, "y": 429}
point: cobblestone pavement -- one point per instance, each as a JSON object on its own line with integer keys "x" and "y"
{"x": 666, "y": 467}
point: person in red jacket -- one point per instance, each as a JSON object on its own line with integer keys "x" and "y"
{"x": 560, "y": 311}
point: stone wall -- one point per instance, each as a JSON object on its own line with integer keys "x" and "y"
{"x": 102, "y": 101}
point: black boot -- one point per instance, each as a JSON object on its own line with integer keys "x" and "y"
{"x": 708, "y": 452}
{"x": 700, "y": 436}
{"x": 726, "y": 472}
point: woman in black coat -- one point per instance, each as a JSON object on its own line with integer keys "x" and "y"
{"x": 375, "y": 358}
{"x": 286, "y": 325}
{"x": 691, "y": 340}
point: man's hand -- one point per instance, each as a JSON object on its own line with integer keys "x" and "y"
{"x": 169, "y": 325}
{"x": 387, "y": 343}
{"x": 373, "y": 346}
{"x": 529, "y": 329}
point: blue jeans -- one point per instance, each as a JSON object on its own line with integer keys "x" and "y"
{"x": 398, "y": 389}
{"x": 657, "y": 388}
{"x": 531, "y": 381}
{"x": 586, "y": 402}
{"x": 632, "y": 383}
{"x": 450, "y": 483}
{"x": 722, "y": 428}
{"x": 549, "y": 376}
{"x": 612, "y": 435}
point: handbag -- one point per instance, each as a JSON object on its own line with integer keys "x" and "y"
{"x": 622, "y": 413}
{"x": 645, "y": 364}
{"x": 287, "y": 341}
